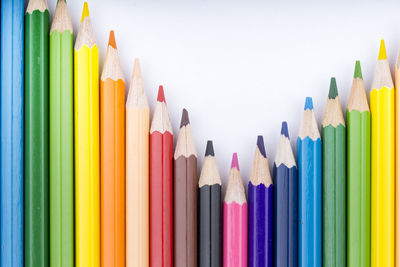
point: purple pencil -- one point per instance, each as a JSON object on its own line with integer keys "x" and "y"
{"x": 260, "y": 210}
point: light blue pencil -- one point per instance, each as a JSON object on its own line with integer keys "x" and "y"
{"x": 310, "y": 189}
{"x": 11, "y": 131}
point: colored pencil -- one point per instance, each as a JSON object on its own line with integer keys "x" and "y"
{"x": 358, "y": 174}
{"x": 210, "y": 211}
{"x": 285, "y": 203}
{"x": 36, "y": 134}
{"x": 382, "y": 164}
{"x": 185, "y": 197}
{"x": 112, "y": 159}
{"x": 397, "y": 168}
{"x": 235, "y": 219}
{"x": 260, "y": 191}
{"x": 61, "y": 139}
{"x": 310, "y": 189}
{"x": 334, "y": 182}
{"x": 137, "y": 172}
{"x": 11, "y": 131}
{"x": 87, "y": 135}
{"x": 161, "y": 186}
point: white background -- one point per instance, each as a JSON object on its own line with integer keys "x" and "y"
{"x": 241, "y": 67}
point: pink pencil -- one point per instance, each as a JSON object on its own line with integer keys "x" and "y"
{"x": 235, "y": 219}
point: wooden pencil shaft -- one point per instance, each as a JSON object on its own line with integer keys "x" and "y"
{"x": 260, "y": 210}
{"x": 36, "y": 135}
{"x": 334, "y": 195}
{"x": 285, "y": 215}
{"x": 112, "y": 151}
{"x": 61, "y": 150}
{"x": 11, "y": 132}
{"x": 161, "y": 199}
{"x": 137, "y": 187}
{"x": 397, "y": 157}
{"x": 310, "y": 202}
{"x": 210, "y": 239}
{"x": 185, "y": 211}
{"x": 358, "y": 188}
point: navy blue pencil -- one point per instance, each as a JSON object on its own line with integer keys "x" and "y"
{"x": 260, "y": 210}
{"x": 285, "y": 203}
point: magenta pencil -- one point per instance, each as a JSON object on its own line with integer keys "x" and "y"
{"x": 235, "y": 219}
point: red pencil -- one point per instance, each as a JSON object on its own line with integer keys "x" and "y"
{"x": 161, "y": 186}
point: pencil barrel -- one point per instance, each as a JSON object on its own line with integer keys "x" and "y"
{"x": 185, "y": 211}
{"x": 235, "y": 234}
{"x": 11, "y": 131}
{"x": 61, "y": 150}
{"x": 161, "y": 199}
{"x": 210, "y": 227}
{"x": 137, "y": 187}
{"x": 260, "y": 205}
{"x": 285, "y": 216}
{"x": 358, "y": 188}
{"x": 112, "y": 151}
{"x": 310, "y": 202}
{"x": 36, "y": 135}
{"x": 87, "y": 160}
{"x": 382, "y": 177}
{"x": 334, "y": 195}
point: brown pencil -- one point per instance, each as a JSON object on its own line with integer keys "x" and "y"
{"x": 185, "y": 197}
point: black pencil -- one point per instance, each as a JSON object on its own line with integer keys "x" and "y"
{"x": 210, "y": 211}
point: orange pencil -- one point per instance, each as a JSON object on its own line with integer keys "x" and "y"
{"x": 112, "y": 151}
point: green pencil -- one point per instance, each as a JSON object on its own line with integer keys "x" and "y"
{"x": 358, "y": 174}
{"x": 61, "y": 140}
{"x": 334, "y": 182}
{"x": 36, "y": 135}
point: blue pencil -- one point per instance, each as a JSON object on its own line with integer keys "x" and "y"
{"x": 285, "y": 203}
{"x": 11, "y": 129}
{"x": 260, "y": 210}
{"x": 310, "y": 189}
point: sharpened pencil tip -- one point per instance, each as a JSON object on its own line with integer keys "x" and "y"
{"x": 85, "y": 12}
{"x": 160, "y": 96}
{"x": 284, "y": 129}
{"x": 382, "y": 51}
{"x": 210, "y": 149}
{"x": 357, "y": 70}
{"x": 185, "y": 118}
{"x": 308, "y": 104}
{"x": 235, "y": 161}
{"x": 333, "y": 92}
{"x": 136, "y": 68}
{"x": 111, "y": 40}
{"x": 260, "y": 145}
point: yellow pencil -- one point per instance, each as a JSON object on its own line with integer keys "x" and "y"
{"x": 382, "y": 164}
{"x": 87, "y": 169}
{"x": 397, "y": 220}
{"x": 137, "y": 172}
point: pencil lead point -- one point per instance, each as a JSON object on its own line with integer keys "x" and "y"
{"x": 382, "y": 51}
{"x": 333, "y": 92}
{"x": 85, "y": 12}
{"x": 235, "y": 162}
{"x": 210, "y": 149}
{"x": 260, "y": 145}
{"x": 284, "y": 129}
{"x": 185, "y": 118}
{"x": 160, "y": 96}
{"x": 111, "y": 40}
{"x": 357, "y": 70}
{"x": 308, "y": 104}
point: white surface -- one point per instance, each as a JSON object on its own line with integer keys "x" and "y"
{"x": 241, "y": 67}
